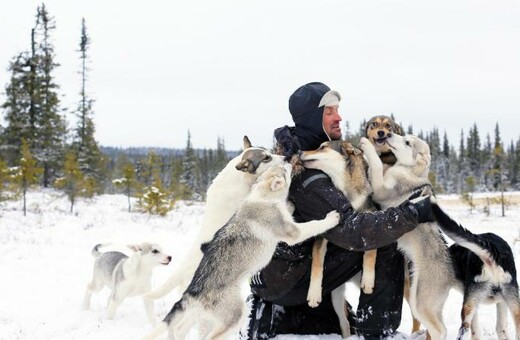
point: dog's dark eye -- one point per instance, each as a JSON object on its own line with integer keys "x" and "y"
{"x": 388, "y": 126}
{"x": 374, "y": 124}
{"x": 155, "y": 251}
{"x": 407, "y": 143}
{"x": 267, "y": 158}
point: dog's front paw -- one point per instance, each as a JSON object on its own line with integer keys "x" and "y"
{"x": 314, "y": 296}
{"x": 367, "y": 147}
{"x": 333, "y": 218}
{"x": 367, "y": 282}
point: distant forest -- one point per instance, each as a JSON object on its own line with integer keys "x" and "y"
{"x": 37, "y": 148}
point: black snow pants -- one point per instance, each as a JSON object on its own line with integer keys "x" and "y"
{"x": 278, "y": 309}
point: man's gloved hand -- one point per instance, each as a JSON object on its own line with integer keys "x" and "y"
{"x": 424, "y": 209}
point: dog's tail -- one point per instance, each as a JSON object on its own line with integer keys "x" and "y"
{"x": 158, "y": 330}
{"x": 464, "y": 237}
{"x": 95, "y": 250}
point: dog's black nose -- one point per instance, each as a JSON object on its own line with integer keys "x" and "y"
{"x": 380, "y": 133}
{"x": 169, "y": 258}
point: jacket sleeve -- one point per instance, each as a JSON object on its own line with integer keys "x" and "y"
{"x": 314, "y": 198}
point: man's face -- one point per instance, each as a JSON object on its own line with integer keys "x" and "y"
{"x": 331, "y": 119}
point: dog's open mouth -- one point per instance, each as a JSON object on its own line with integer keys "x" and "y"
{"x": 165, "y": 263}
{"x": 380, "y": 141}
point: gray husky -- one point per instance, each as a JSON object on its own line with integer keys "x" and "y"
{"x": 125, "y": 276}
{"x": 432, "y": 273}
{"x": 242, "y": 247}
{"x": 227, "y": 191}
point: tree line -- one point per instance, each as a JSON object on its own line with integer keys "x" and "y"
{"x": 38, "y": 149}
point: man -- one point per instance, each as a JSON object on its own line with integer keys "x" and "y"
{"x": 278, "y": 302}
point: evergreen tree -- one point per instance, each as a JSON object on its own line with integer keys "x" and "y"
{"x": 515, "y": 173}
{"x": 445, "y": 145}
{"x": 128, "y": 182}
{"x": 72, "y": 180}
{"x": 4, "y": 178}
{"x": 51, "y": 127}
{"x": 190, "y": 169}
{"x": 89, "y": 156}
{"x": 473, "y": 153}
{"x": 498, "y": 159}
{"x": 16, "y": 108}
{"x": 28, "y": 173}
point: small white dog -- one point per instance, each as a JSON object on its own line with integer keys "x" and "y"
{"x": 125, "y": 276}
{"x": 226, "y": 193}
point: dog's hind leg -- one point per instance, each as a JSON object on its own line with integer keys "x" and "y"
{"x": 93, "y": 287}
{"x": 430, "y": 314}
{"x": 113, "y": 304}
{"x": 469, "y": 308}
{"x": 513, "y": 302}
{"x": 187, "y": 320}
{"x": 341, "y": 309}
{"x": 501, "y": 325}
{"x": 223, "y": 326}
{"x": 318, "y": 257}
{"x": 226, "y": 317}
{"x": 368, "y": 277}
{"x": 416, "y": 324}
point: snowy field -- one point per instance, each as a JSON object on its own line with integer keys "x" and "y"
{"x": 45, "y": 264}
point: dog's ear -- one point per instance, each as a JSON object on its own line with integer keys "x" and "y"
{"x": 245, "y": 165}
{"x": 134, "y": 247}
{"x": 277, "y": 183}
{"x": 247, "y": 142}
{"x": 423, "y": 158}
{"x": 398, "y": 129}
{"x": 367, "y": 125}
{"x": 349, "y": 149}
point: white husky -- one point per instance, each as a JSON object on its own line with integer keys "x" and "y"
{"x": 227, "y": 191}
{"x": 124, "y": 275}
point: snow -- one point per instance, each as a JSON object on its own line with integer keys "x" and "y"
{"x": 45, "y": 264}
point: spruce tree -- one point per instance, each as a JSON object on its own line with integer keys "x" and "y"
{"x": 16, "y": 109}
{"x": 51, "y": 127}
{"x": 72, "y": 181}
{"x": 190, "y": 169}
{"x": 128, "y": 182}
{"x": 28, "y": 173}
{"x": 89, "y": 156}
{"x": 4, "y": 178}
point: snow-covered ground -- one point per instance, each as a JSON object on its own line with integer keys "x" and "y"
{"x": 45, "y": 264}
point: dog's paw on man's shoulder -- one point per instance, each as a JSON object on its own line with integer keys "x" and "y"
{"x": 297, "y": 165}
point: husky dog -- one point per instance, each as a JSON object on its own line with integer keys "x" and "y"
{"x": 377, "y": 130}
{"x": 125, "y": 276}
{"x": 224, "y": 195}
{"x": 424, "y": 247}
{"x": 346, "y": 167}
{"x": 238, "y": 250}
{"x": 485, "y": 264}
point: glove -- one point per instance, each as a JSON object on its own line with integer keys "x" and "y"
{"x": 423, "y": 206}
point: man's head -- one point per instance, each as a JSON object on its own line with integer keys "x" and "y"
{"x": 314, "y": 107}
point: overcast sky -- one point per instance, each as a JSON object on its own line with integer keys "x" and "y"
{"x": 227, "y": 67}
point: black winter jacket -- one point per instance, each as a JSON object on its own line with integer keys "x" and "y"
{"x": 314, "y": 195}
